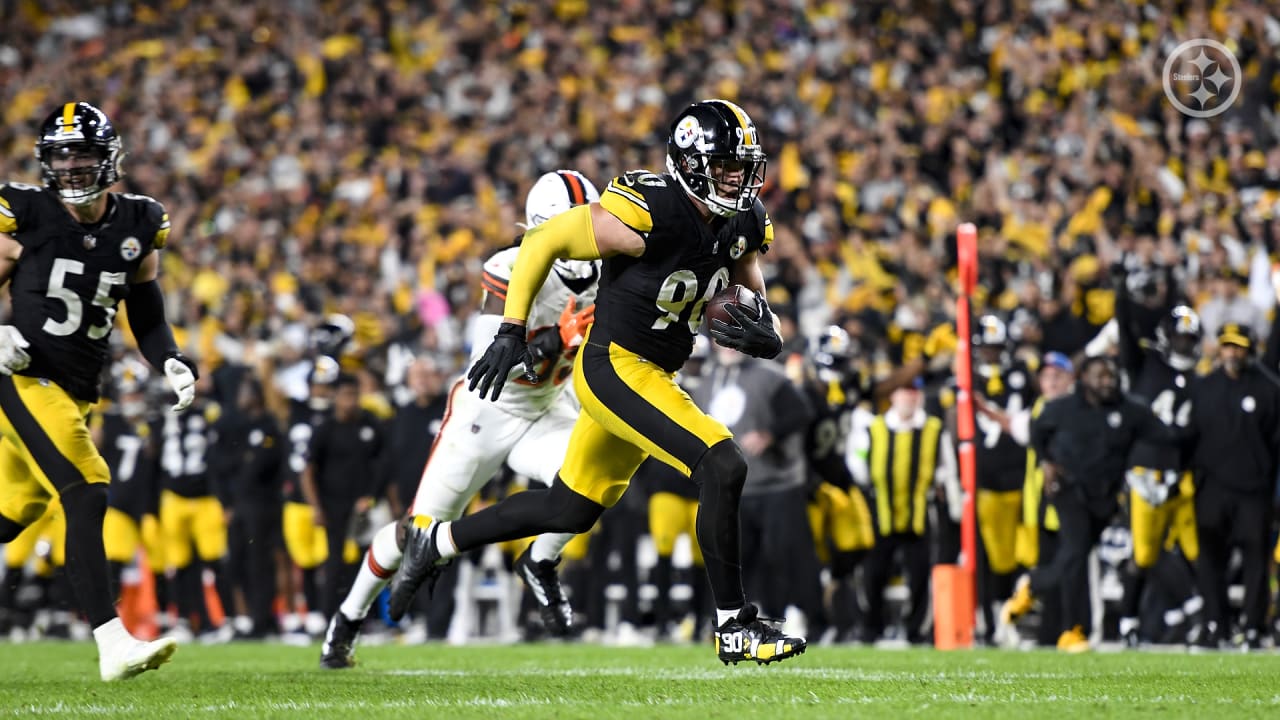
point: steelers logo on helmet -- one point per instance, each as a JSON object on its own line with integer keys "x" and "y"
{"x": 79, "y": 152}
{"x": 1178, "y": 338}
{"x": 713, "y": 151}
{"x": 687, "y": 131}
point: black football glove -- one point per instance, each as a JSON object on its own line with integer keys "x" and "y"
{"x": 544, "y": 349}
{"x": 507, "y": 350}
{"x": 753, "y": 336}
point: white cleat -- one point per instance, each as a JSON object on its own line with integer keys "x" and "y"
{"x": 134, "y": 658}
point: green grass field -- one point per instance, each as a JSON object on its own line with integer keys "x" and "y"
{"x": 585, "y": 681}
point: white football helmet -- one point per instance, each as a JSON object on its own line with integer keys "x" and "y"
{"x": 551, "y": 195}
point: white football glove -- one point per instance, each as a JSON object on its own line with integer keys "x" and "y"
{"x": 182, "y": 380}
{"x": 13, "y": 354}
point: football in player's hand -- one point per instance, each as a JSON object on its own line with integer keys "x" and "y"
{"x": 738, "y": 295}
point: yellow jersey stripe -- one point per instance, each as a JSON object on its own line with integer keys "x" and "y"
{"x": 634, "y": 196}
{"x": 5, "y": 210}
{"x": 622, "y": 206}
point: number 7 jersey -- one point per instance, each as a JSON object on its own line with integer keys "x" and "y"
{"x": 70, "y": 277}
{"x": 652, "y": 305}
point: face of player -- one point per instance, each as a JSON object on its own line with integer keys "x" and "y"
{"x": 133, "y": 405}
{"x": 1101, "y": 382}
{"x": 321, "y": 398}
{"x": 77, "y": 168}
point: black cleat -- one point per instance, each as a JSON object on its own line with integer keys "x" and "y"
{"x": 421, "y": 564}
{"x": 339, "y": 649}
{"x": 747, "y": 637}
{"x": 544, "y": 582}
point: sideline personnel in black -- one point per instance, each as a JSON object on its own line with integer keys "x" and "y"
{"x": 1235, "y": 420}
{"x": 341, "y": 479}
{"x": 1083, "y": 440}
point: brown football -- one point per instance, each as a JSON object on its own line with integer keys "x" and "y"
{"x": 732, "y": 295}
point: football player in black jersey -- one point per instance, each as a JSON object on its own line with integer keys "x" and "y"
{"x": 1007, "y": 387}
{"x": 71, "y": 251}
{"x": 126, "y": 435}
{"x": 838, "y": 514}
{"x": 1161, "y": 488}
{"x": 670, "y": 242}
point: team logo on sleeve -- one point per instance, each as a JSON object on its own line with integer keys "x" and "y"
{"x": 738, "y": 248}
{"x": 130, "y": 249}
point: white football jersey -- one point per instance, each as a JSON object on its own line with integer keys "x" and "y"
{"x": 573, "y": 279}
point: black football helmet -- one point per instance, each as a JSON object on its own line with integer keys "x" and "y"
{"x": 1178, "y": 338}
{"x": 79, "y": 130}
{"x": 332, "y": 335}
{"x": 990, "y": 340}
{"x": 715, "y": 154}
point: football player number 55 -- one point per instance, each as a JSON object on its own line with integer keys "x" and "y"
{"x": 58, "y": 290}
{"x": 678, "y": 291}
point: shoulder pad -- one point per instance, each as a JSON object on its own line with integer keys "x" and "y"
{"x": 155, "y": 214}
{"x": 628, "y": 197}
{"x": 15, "y": 204}
{"x": 763, "y": 224}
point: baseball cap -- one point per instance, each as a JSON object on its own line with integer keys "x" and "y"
{"x": 1236, "y": 334}
{"x": 1058, "y": 360}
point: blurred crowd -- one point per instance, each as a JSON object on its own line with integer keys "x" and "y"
{"x": 341, "y": 170}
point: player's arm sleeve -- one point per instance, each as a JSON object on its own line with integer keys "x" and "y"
{"x": 150, "y": 328}
{"x": 567, "y": 235}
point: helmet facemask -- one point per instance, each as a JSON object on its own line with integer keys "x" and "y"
{"x": 726, "y": 184}
{"x": 80, "y": 172}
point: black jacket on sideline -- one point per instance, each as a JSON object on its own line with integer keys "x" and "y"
{"x": 1236, "y": 428}
{"x": 1091, "y": 443}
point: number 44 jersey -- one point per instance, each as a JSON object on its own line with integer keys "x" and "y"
{"x": 652, "y": 305}
{"x": 70, "y": 277}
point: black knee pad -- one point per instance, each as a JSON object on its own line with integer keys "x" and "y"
{"x": 723, "y": 464}
{"x": 85, "y": 502}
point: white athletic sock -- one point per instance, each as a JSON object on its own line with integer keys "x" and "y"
{"x": 111, "y": 633}
{"x": 1128, "y": 624}
{"x": 724, "y": 616}
{"x": 383, "y": 554}
{"x": 444, "y": 541}
{"x": 548, "y": 546}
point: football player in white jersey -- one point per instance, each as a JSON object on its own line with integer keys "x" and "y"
{"x": 528, "y": 428}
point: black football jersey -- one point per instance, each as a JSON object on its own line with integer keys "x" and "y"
{"x": 70, "y": 278}
{"x": 828, "y": 435}
{"x": 185, "y": 438}
{"x": 1001, "y": 461}
{"x": 128, "y": 448}
{"x": 652, "y": 305}
{"x": 303, "y": 421}
{"x": 1168, "y": 393}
